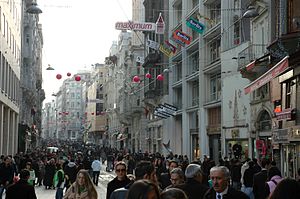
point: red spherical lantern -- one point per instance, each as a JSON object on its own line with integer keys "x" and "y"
{"x": 136, "y": 79}
{"x": 58, "y": 76}
{"x": 77, "y": 78}
{"x": 148, "y": 75}
{"x": 160, "y": 77}
{"x": 68, "y": 74}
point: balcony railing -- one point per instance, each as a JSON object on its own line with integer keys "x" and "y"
{"x": 251, "y": 53}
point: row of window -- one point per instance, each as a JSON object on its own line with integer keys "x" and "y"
{"x": 7, "y": 33}
{"x": 9, "y": 82}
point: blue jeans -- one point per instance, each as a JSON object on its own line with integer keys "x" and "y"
{"x": 248, "y": 191}
{"x": 59, "y": 193}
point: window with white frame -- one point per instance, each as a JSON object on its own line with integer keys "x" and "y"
{"x": 236, "y": 30}
{"x": 215, "y": 87}
{"x": 215, "y": 47}
{"x": 195, "y": 93}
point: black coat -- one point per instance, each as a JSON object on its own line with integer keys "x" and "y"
{"x": 116, "y": 184}
{"x": 193, "y": 189}
{"x": 231, "y": 194}
{"x": 20, "y": 190}
{"x": 49, "y": 174}
{"x": 165, "y": 180}
{"x": 259, "y": 181}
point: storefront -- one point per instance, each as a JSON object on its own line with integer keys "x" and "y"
{"x": 287, "y": 141}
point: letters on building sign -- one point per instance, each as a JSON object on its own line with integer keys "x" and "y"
{"x": 165, "y": 110}
{"x": 165, "y": 50}
{"x": 135, "y": 26}
{"x": 195, "y": 25}
{"x": 181, "y": 36}
{"x": 152, "y": 44}
{"x": 171, "y": 46}
{"x": 286, "y": 114}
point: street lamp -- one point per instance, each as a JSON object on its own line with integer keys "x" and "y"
{"x": 34, "y": 9}
{"x": 251, "y": 12}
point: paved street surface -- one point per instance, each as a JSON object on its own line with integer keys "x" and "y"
{"x": 104, "y": 178}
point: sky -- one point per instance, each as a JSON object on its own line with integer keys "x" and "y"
{"x": 77, "y": 34}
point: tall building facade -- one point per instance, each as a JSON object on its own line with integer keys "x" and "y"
{"x": 31, "y": 92}
{"x": 96, "y": 119}
{"x": 10, "y": 62}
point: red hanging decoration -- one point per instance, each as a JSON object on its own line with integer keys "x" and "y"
{"x": 160, "y": 77}
{"x": 148, "y": 75}
{"x": 58, "y": 76}
{"x": 77, "y": 78}
{"x": 68, "y": 74}
{"x": 136, "y": 79}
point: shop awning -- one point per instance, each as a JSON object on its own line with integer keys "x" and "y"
{"x": 276, "y": 70}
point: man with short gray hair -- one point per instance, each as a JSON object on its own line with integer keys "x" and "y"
{"x": 221, "y": 189}
{"x": 193, "y": 187}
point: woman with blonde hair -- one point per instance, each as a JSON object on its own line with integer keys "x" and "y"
{"x": 82, "y": 188}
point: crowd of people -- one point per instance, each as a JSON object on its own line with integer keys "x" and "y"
{"x": 73, "y": 171}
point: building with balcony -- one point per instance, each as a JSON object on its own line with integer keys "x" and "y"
{"x": 95, "y": 119}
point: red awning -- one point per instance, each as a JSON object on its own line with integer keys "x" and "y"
{"x": 276, "y": 70}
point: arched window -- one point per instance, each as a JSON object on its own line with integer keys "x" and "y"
{"x": 264, "y": 121}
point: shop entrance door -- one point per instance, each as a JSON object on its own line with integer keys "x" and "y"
{"x": 290, "y": 160}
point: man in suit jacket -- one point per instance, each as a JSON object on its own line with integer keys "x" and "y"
{"x": 21, "y": 189}
{"x": 259, "y": 180}
{"x": 221, "y": 189}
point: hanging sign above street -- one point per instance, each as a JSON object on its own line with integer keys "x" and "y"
{"x": 137, "y": 26}
{"x": 160, "y": 25}
{"x": 152, "y": 44}
{"x": 195, "y": 25}
{"x": 181, "y": 36}
{"x": 140, "y": 59}
{"x": 171, "y": 46}
{"x": 166, "y": 50}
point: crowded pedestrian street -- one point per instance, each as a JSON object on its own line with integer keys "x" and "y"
{"x": 150, "y": 99}
{"x": 104, "y": 178}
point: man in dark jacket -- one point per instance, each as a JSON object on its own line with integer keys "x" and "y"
{"x": 21, "y": 189}
{"x": 260, "y": 179}
{"x": 144, "y": 170}
{"x": 70, "y": 173}
{"x": 6, "y": 173}
{"x": 193, "y": 186}
{"x": 220, "y": 177}
{"x": 120, "y": 181}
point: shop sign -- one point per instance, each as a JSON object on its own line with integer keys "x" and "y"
{"x": 138, "y": 26}
{"x": 213, "y": 129}
{"x": 181, "y": 36}
{"x": 285, "y": 114}
{"x": 171, "y": 46}
{"x": 195, "y": 25}
{"x": 235, "y": 133}
{"x": 152, "y": 44}
{"x": 281, "y": 136}
{"x": 160, "y": 25}
{"x": 177, "y": 41}
{"x": 276, "y": 70}
{"x": 295, "y": 132}
{"x": 165, "y": 50}
{"x": 140, "y": 59}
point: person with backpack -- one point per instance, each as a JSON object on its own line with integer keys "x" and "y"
{"x": 59, "y": 181}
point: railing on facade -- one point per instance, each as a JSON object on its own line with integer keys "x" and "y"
{"x": 251, "y": 53}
